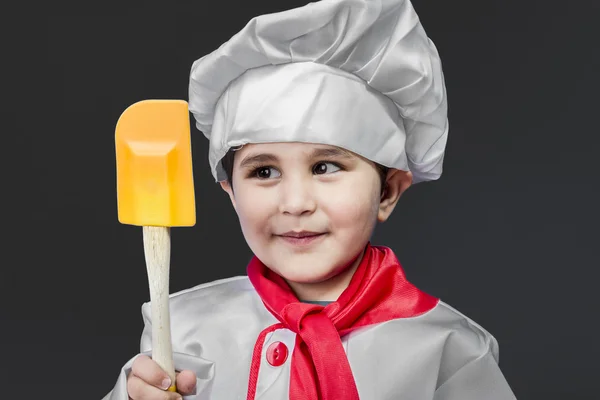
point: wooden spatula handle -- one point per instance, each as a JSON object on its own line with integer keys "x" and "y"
{"x": 157, "y": 250}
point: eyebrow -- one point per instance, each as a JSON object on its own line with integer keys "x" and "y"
{"x": 333, "y": 152}
{"x": 266, "y": 158}
{"x": 263, "y": 158}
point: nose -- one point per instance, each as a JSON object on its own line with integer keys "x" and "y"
{"x": 296, "y": 196}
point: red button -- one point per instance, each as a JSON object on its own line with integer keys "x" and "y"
{"x": 277, "y": 354}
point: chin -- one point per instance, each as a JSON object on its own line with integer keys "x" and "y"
{"x": 303, "y": 272}
{"x": 305, "y": 278}
{"x": 314, "y": 265}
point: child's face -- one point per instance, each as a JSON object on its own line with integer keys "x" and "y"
{"x": 285, "y": 188}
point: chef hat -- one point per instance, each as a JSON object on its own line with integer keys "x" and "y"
{"x": 358, "y": 74}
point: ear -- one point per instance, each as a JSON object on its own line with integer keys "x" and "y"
{"x": 226, "y": 186}
{"x": 396, "y": 183}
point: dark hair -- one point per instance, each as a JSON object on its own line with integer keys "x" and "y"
{"x": 228, "y": 167}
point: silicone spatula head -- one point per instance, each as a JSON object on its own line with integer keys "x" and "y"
{"x": 155, "y": 185}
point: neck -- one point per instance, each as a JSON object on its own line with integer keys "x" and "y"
{"x": 329, "y": 289}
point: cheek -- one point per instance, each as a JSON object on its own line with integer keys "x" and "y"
{"x": 356, "y": 209}
{"x": 253, "y": 209}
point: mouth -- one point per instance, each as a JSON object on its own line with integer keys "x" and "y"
{"x": 301, "y": 238}
{"x": 301, "y": 234}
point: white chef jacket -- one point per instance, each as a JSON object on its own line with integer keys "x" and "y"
{"x": 438, "y": 355}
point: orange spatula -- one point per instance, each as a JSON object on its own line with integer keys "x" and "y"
{"x": 155, "y": 190}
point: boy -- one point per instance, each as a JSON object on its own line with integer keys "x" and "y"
{"x": 319, "y": 118}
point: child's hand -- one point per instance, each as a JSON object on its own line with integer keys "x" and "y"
{"x": 147, "y": 381}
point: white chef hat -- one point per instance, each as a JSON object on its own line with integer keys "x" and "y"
{"x": 358, "y": 74}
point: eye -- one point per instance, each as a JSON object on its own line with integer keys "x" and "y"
{"x": 325, "y": 168}
{"x": 266, "y": 173}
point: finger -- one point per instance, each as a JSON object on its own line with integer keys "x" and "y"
{"x": 186, "y": 382}
{"x": 140, "y": 390}
{"x": 150, "y": 372}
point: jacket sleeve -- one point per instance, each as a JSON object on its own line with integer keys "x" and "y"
{"x": 478, "y": 380}
{"x": 203, "y": 368}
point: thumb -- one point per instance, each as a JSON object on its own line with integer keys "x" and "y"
{"x": 186, "y": 382}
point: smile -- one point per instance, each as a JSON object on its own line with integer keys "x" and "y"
{"x": 301, "y": 238}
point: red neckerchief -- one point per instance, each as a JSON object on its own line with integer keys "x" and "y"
{"x": 378, "y": 292}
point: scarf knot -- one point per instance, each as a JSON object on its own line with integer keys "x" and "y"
{"x": 293, "y": 315}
